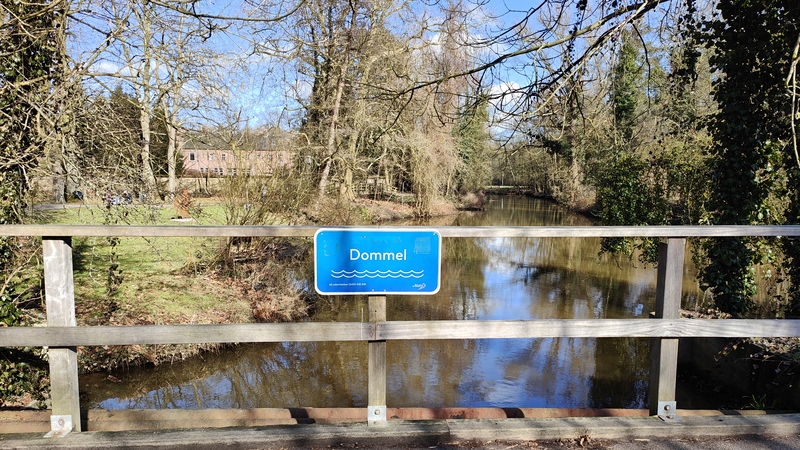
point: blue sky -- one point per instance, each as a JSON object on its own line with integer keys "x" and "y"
{"x": 266, "y": 89}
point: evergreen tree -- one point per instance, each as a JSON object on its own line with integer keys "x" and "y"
{"x": 472, "y": 142}
{"x": 626, "y": 89}
{"x": 30, "y": 68}
{"x": 752, "y": 161}
{"x": 630, "y": 188}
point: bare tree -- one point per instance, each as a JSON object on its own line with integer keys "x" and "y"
{"x": 158, "y": 51}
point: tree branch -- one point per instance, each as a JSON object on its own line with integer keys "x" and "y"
{"x": 638, "y": 10}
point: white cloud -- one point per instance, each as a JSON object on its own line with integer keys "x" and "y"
{"x": 110, "y": 68}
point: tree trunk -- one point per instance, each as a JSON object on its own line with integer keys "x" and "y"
{"x": 59, "y": 180}
{"x": 148, "y": 177}
{"x": 330, "y": 148}
{"x": 73, "y": 169}
{"x": 172, "y": 135}
{"x": 346, "y": 191}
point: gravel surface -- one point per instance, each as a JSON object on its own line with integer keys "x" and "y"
{"x": 731, "y": 443}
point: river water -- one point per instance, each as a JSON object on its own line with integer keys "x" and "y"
{"x": 486, "y": 279}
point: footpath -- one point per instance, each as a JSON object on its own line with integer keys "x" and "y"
{"x": 774, "y": 432}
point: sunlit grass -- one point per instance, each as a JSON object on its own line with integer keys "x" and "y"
{"x": 203, "y": 214}
{"x": 155, "y": 279}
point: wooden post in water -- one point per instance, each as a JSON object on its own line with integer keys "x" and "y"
{"x": 376, "y": 401}
{"x": 59, "y": 289}
{"x": 664, "y": 352}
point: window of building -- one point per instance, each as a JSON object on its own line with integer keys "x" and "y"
{"x": 280, "y": 157}
{"x": 223, "y": 156}
{"x": 210, "y": 156}
{"x": 217, "y": 171}
{"x": 204, "y": 170}
{"x": 192, "y": 156}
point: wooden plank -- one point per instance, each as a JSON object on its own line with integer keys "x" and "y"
{"x": 669, "y": 278}
{"x": 642, "y": 231}
{"x": 402, "y": 330}
{"x": 664, "y": 352}
{"x": 59, "y": 284}
{"x": 24, "y": 421}
{"x": 59, "y": 288}
{"x": 587, "y": 328}
{"x": 663, "y": 373}
{"x": 376, "y": 398}
{"x": 154, "y": 230}
{"x": 454, "y": 231}
{"x": 186, "y": 334}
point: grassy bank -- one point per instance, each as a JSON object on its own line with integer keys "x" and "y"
{"x": 145, "y": 281}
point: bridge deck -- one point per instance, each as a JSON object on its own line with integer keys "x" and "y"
{"x": 401, "y": 433}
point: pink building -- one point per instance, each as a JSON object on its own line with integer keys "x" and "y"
{"x": 257, "y": 156}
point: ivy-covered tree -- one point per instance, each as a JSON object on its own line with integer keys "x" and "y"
{"x": 626, "y": 89}
{"x": 30, "y": 66}
{"x": 472, "y": 142}
{"x": 753, "y": 43}
{"x": 29, "y": 62}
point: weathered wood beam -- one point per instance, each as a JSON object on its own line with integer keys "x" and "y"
{"x": 59, "y": 289}
{"x": 400, "y": 330}
{"x": 664, "y": 351}
{"x": 587, "y": 328}
{"x": 376, "y": 392}
{"x": 455, "y": 231}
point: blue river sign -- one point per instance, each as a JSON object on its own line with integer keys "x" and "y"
{"x": 377, "y": 261}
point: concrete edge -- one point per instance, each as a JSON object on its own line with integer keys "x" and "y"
{"x": 280, "y": 436}
{"x": 421, "y": 433}
{"x": 35, "y": 421}
{"x": 623, "y": 427}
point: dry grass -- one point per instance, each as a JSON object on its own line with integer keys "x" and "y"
{"x": 270, "y": 308}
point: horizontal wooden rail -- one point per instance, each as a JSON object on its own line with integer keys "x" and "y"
{"x": 454, "y": 231}
{"x": 395, "y": 330}
{"x": 587, "y": 328}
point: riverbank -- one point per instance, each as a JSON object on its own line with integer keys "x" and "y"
{"x": 154, "y": 281}
{"x": 206, "y": 282}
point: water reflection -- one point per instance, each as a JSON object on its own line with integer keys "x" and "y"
{"x": 319, "y": 374}
{"x": 488, "y": 279}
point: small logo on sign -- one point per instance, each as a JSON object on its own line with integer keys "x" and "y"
{"x": 419, "y": 287}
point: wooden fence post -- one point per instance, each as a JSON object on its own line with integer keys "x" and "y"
{"x": 59, "y": 291}
{"x": 376, "y": 401}
{"x": 664, "y": 352}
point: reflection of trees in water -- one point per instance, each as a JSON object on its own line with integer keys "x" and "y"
{"x": 463, "y": 262}
{"x": 623, "y": 382}
{"x": 320, "y": 374}
{"x": 577, "y": 372}
{"x": 429, "y": 373}
{"x": 462, "y": 288}
{"x": 532, "y": 373}
{"x": 521, "y": 211}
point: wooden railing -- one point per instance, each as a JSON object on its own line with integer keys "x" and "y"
{"x": 62, "y": 336}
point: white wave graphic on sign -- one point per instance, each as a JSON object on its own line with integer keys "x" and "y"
{"x": 377, "y": 273}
